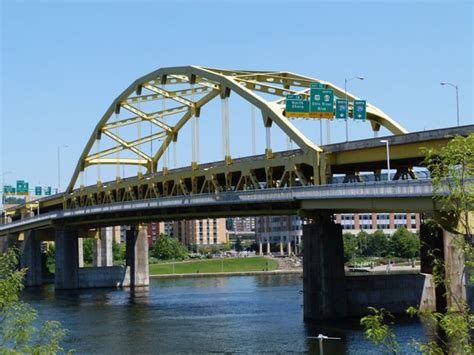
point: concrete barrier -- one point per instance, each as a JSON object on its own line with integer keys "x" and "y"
{"x": 393, "y": 292}
{"x": 111, "y": 276}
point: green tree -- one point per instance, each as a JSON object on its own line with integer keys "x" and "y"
{"x": 18, "y": 333}
{"x": 362, "y": 241}
{"x": 167, "y": 248}
{"x": 238, "y": 244}
{"x": 404, "y": 244}
{"x": 377, "y": 244}
{"x": 118, "y": 252}
{"x": 452, "y": 172}
{"x": 88, "y": 250}
{"x": 226, "y": 246}
{"x": 350, "y": 246}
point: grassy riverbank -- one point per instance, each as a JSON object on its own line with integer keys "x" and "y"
{"x": 258, "y": 263}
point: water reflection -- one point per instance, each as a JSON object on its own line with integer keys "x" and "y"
{"x": 247, "y": 314}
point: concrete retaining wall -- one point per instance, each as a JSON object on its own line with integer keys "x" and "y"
{"x": 111, "y": 276}
{"x": 393, "y": 292}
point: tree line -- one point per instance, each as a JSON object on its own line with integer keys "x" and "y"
{"x": 402, "y": 243}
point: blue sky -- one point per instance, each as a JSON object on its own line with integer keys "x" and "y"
{"x": 64, "y": 62}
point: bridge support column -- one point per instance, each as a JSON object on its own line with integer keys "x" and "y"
{"x": 288, "y": 248}
{"x": 437, "y": 242}
{"x": 324, "y": 284}
{"x": 30, "y": 258}
{"x": 268, "y": 247}
{"x": 102, "y": 248}
{"x": 260, "y": 248}
{"x": 281, "y": 248}
{"x": 67, "y": 259}
{"x": 80, "y": 247}
{"x": 137, "y": 256}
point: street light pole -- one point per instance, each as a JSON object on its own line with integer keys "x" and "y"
{"x": 59, "y": 165}
{"x": 457, "y": 98}
{"x": 3, "y": 191}
{"x": 347, "y": 103}
{"x": 388, "y": 157}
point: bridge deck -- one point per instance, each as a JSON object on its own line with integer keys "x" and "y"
{"x": 395, "y": 196}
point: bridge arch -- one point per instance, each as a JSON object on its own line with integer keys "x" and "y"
{"x": 205, "y": 84}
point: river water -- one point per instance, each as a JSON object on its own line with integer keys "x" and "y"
{"x": 241, "y": 314}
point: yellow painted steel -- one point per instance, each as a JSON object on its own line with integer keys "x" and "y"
{"x": 208, "y": 83}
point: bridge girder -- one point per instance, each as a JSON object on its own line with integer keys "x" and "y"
{"x": 207, "y": 83}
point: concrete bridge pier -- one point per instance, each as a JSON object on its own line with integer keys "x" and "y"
{"x": 137, "y": 257}
{"x": 102, "y": 248}
{"x": 439, "y": 242}
{"x": 260, "y": 248}
{"x": 30, "y": 258}
{"x": 324, "y": 283}
{"x": 67, "y": 259}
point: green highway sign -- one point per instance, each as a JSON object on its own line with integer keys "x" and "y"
{"x": 321, "y": 102}
{"x": 38, "y": 190}
{"x": 47, "y": 191}
{"x": 8, "y": 189}
{"x": 296, "y": 106}
{"x": 341, "y": 109}
{"x": 360, "y": 112}
{"x": 22, "y": 187}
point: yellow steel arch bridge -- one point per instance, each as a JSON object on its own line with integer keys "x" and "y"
{"x": 168, "y": 99}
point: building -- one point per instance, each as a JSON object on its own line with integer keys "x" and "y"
{"x": 370, "y": 222}
{"x": 200, "y": 233}
{"x": 242, "y": 224}
{"x": 286, "y": 231}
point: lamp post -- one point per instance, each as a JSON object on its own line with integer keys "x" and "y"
{"x": 347, "y": 103}
{"x": 388, "y": 157}
{"x": 3, "y": 191}
{"x": 59, "y": 165}
{"x": 457, "y": 98}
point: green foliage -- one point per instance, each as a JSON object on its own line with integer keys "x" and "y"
{"x": 378, "y": 331}
{"x": 118, "y": 252}
{"x": 88, "y": 250}
{"x": 404, "y": 244}
{"x": 18, "y": 333}
{"x": 226, "y": 246}
{"x": 451, "y": 330}
{"x": 11, "y": 281}
{"x": 238, "y": 244}
{"x": 51, "y": 258}
{"x": 350, "y": 246}
{"x": 167, "y": 248}
{"x": 377, "y": 244}
{"x": 452, "y": 172}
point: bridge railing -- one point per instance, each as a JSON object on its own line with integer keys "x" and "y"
{"x": 398, "y": 188}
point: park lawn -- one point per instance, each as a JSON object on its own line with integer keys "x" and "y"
{"x": 258, "y": 263}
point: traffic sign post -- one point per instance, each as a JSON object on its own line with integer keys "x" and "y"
{"x": 360, "y": 111}
{"x": 341, "y": 109}
{"x": 22, "y": 187}
{"x": 321, "y": 102}
{"x": 296, "y": 106}
{"x": 9, "y": 190}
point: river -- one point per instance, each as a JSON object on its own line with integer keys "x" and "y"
{"x": 240, "y": 314}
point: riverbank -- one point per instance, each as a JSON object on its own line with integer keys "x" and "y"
{"x": 215, "y": 266}
{"x": 235, "y": 273}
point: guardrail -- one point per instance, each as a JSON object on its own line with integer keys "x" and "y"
{"x": 400, "y": 188}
